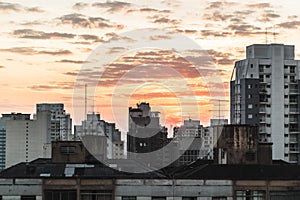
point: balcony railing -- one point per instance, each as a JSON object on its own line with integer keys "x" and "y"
{"x": 293, "y": 120}
{"x": 294, "y": 130}
{"x": 262, "y": 110}
{"x": 294, "y": 110}
{"x": 262, "y": 130}
{"x": 292, "y": 90}
{"x": 293, "y": 140}
{"x": 294, "y": 149}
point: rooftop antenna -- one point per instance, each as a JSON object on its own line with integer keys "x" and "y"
{"x": 219, "y": 109}
{"x": 85, "y": 101}
{"x": 274, "y": 33}
{"x": 266, "y": 35}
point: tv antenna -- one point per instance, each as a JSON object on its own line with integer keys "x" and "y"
{"x": 219, "y": 109}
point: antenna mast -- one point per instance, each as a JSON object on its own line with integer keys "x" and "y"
{"x": 274, "y": 33}
{"x": 266, "y": 35}
{"x": 85, "y": 101}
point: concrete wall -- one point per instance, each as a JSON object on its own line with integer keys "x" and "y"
{"x": 25, "y": 139}
{"x": 13, "y": 188}
{"x": 145, "y": 189}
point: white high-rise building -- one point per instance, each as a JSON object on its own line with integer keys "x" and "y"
{"x": 61, "y": 122}
{"x": 264, "y": 90}
{"x": 26, "y": 139}
{"x": 110, "y": 144}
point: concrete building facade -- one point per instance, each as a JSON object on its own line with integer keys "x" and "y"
{"x": 264, "y": 91}
{"x": 111, "y": 146}
{"x": 27, "y": 139}
{"x": 61, "y": 122}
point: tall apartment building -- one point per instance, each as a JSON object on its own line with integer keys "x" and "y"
{"x": 110, "y": 145}
{"x": 192, "y": 149}
{"x": 145, "y": 133}
{"x": 26, "y": 139}
{"x": 147, "y": 138}
{"x": 265, "y": 92}
{"x": 61, "y": 122}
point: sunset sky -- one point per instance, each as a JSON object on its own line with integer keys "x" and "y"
{"x": 45, "y": 44}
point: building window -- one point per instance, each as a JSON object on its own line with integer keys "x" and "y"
{"x": 250, "y": 86}
{"x": 158, "y": 198}
{"x": 250, "y": 106}
{"x": 292, "y": 69}
{"x": 27, "y": 197}
{"x": 250, "y": 116}
{"x": 67, "y": 149}
{"x": 249, "y": 96}
{"x": 251, "y": 75}
{"x": 251, "y": 65}
{"x": 292, "y": 78}
{"x": 60, "y": 195}
{"x": 128, "y": 197}
{"x": 261, "y": 78}
{"x": 219, "y": 198}
{"x": 261, "y": 68}
{"x": 250, "y": 195}
{"x": 189, "y": 198}
{"x": 100, "y": 194}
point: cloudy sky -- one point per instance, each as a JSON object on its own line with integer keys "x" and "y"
{"x": 46, "y": 44}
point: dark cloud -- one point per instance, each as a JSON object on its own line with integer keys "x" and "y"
{"x": 71, "y": 73}
{"x": 14, "y": 7}
{"x": 289, "y": 25}
{"x": 217, "y": 16}
{"x": 7, "y": 7}
{"x": 160, "y": 37}
{"x": 33, "y": 34}
{"x": 271, "y": 15}
{"x": 226, "y": 61}
{"x": 33, "y": 51}
{"x": 213, "y": 33}
{"x": 268, "y": 16}
{"x": 112, "y": 6}
{"x": 211, "y": 56}
{"x": 2, "y": 67}
{"x": 113, "y": 50}
{"x": 35, "y": 10}
{"x": 89, "y": 37}
{"x": 220, "y": 4}
{"x": 60, "y": 52}
{"x": 292, "y": 17}
{"x": 148, "y": 10}
{"x": 186, "y": 31}
{"x": 79, "y": 20}
{"x": 32, "y": 23}
{"x": 71, "y": 61}
{"x": 243, "y": 27}
{"x": 115, "y": 37}
{"x": 53, "y": 86}
{"x": 259, "y": 5}
{"x": 165, "y": 20}
{"x": 80, "y": 5}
